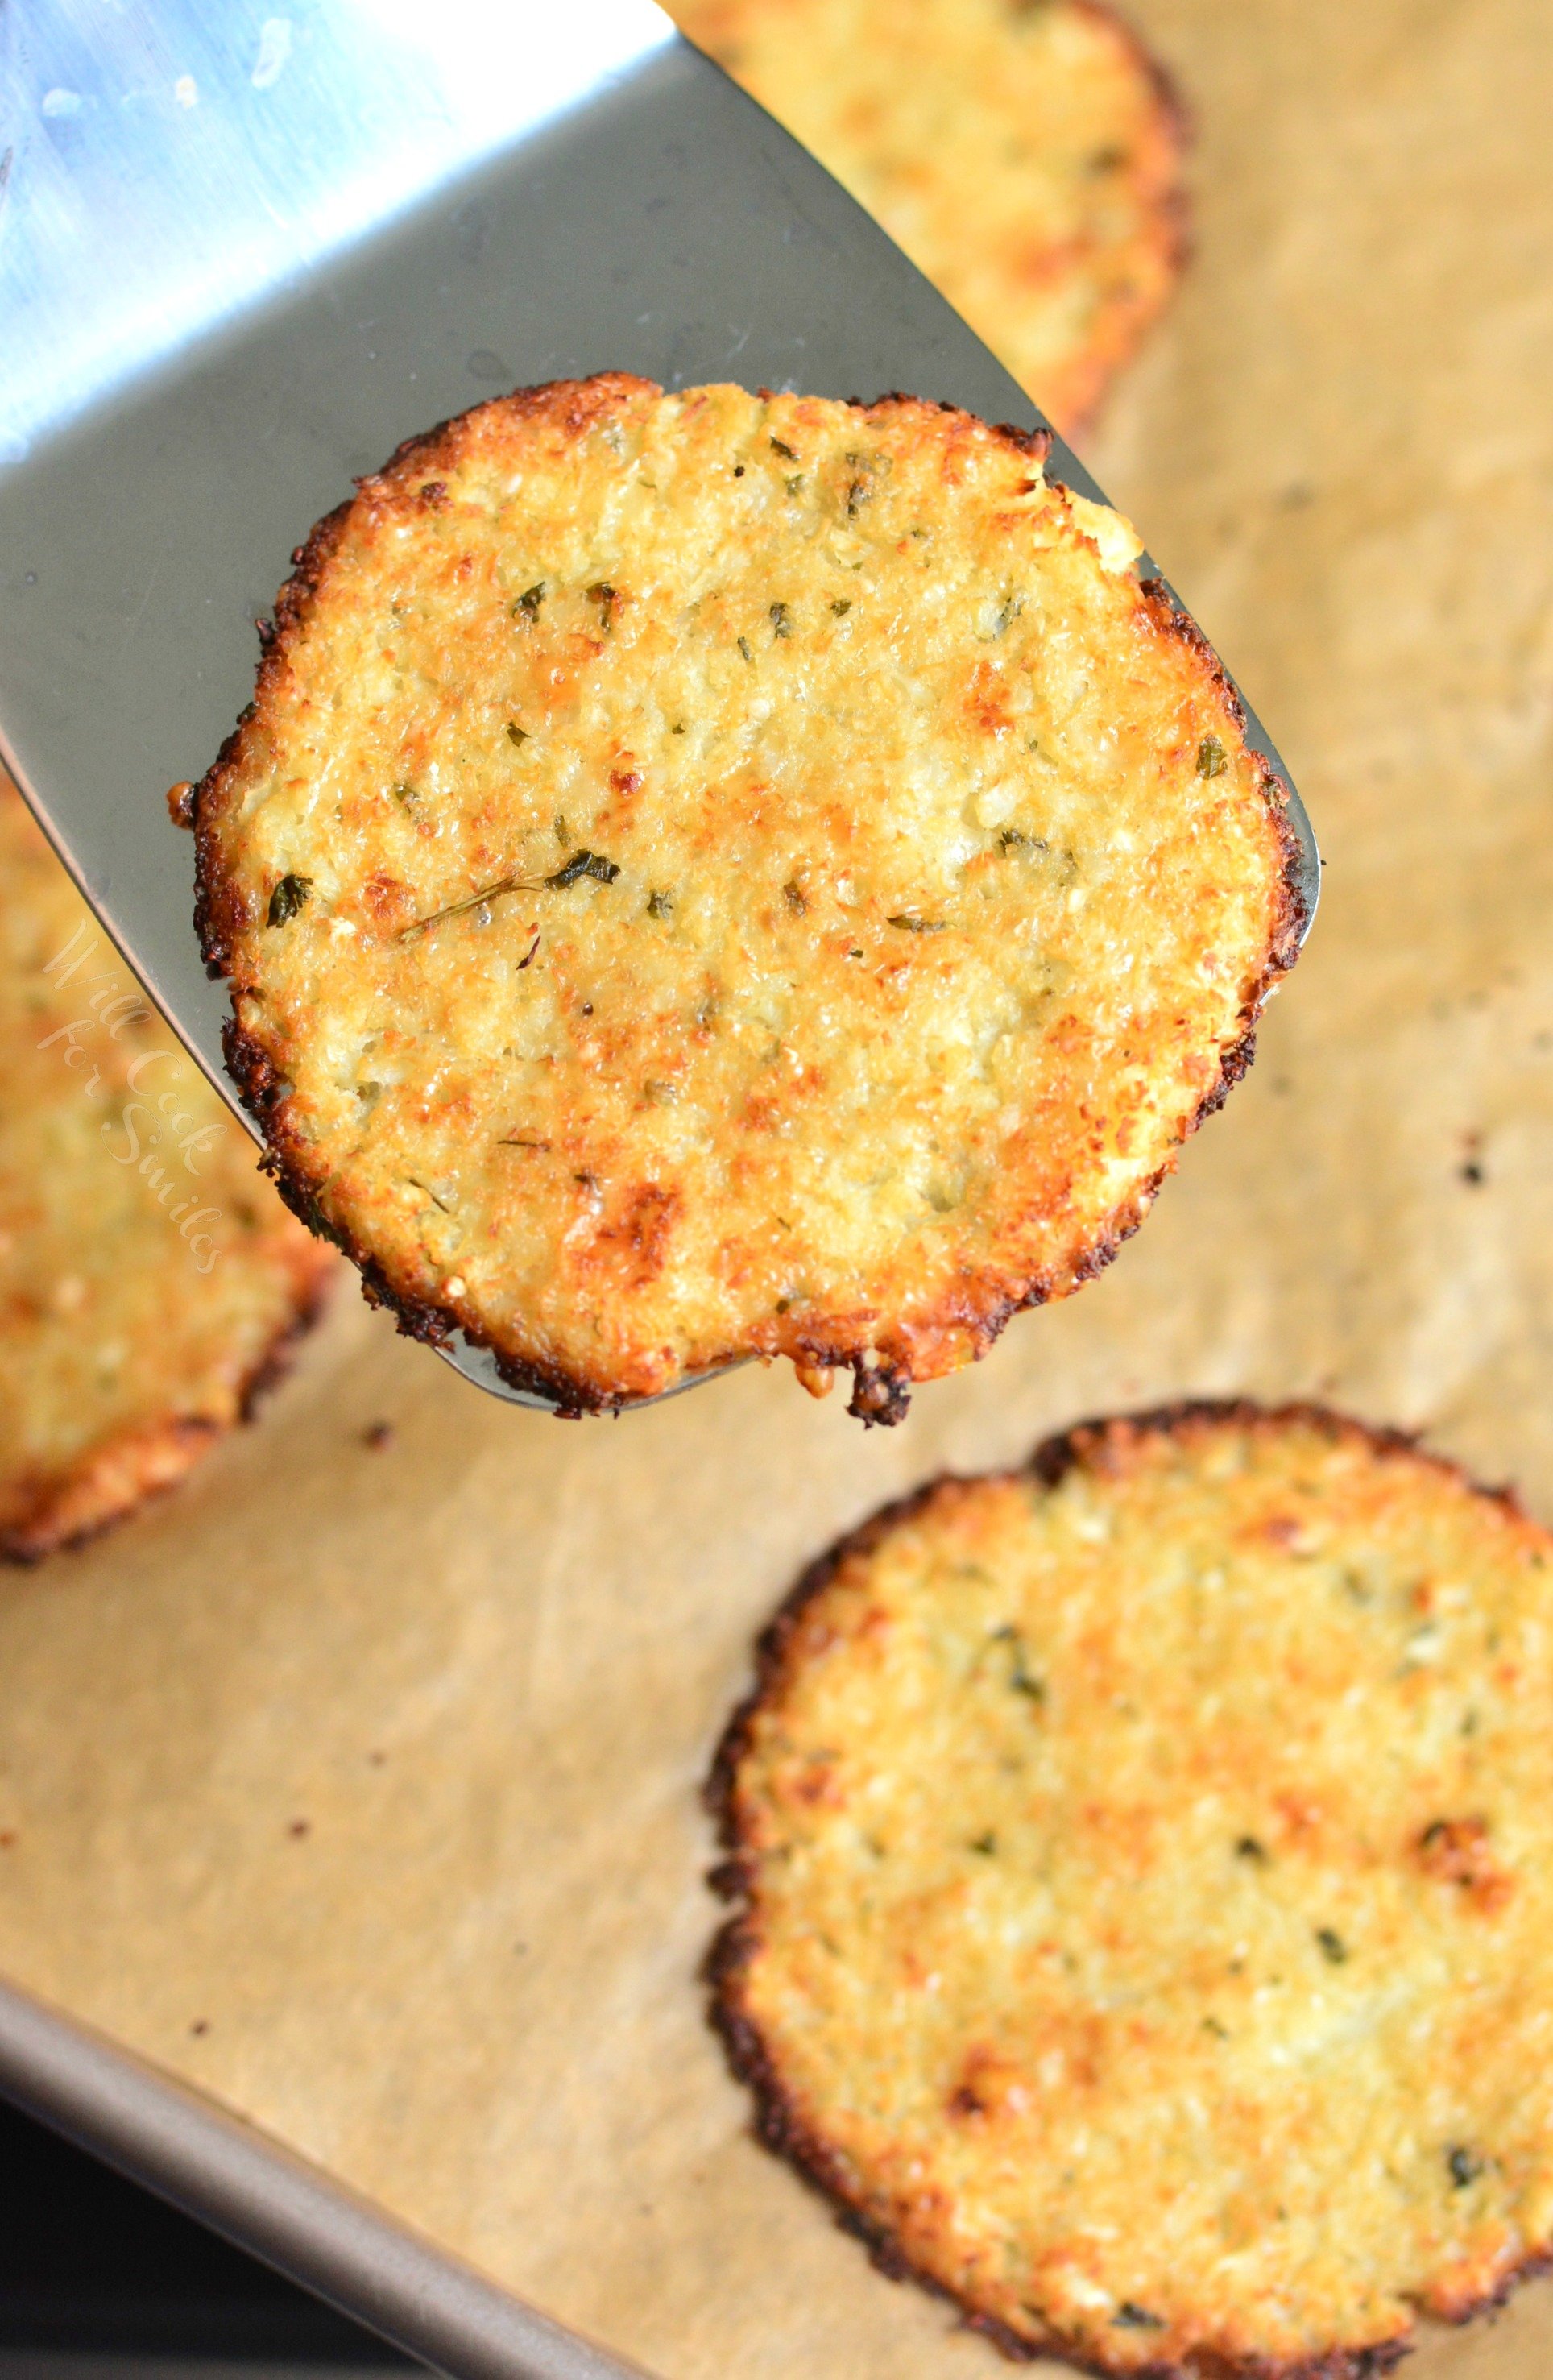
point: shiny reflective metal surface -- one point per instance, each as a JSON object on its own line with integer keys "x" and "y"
{"x": 243, "y": 253}
{"x": 278, "y": 2207}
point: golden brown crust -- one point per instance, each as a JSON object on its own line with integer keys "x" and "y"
{"x": 669, "y": 1263}
{"x": 1029, "y": 158}
{"x": 765, "y": 1739}
{"x": 57, "y": 1515}
{"x": 150, "y": 1285}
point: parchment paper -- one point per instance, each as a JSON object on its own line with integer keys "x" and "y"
{"x": 360, "y": 1787}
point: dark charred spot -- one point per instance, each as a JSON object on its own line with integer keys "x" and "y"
{"x": 880, "y": 1395}
{"x": 433, "y": 495}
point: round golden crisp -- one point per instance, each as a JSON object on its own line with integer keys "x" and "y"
{"x": 716, "y": 875}
{"x": 1146, "y": 1864}
{"x": 150, "y": 1278}
{"x": 1026, "y": 154}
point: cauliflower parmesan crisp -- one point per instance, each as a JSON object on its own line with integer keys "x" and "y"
{"x": 1026, "y": 154}
{"x": 1144, "y": 1869}
{"x": 150, "y": 1278}
{"x": 716, "y": 875}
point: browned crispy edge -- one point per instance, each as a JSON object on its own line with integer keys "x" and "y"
{"x": 114, "y": 1479}
{"x": 881, "y": 1390}
{"x": 1100, "y": 1444}
{"x": 1171, "y": 216}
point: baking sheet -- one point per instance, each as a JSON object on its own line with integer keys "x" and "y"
{"x": 357, "y": 1785}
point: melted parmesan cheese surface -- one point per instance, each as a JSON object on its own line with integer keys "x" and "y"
{"x": 147, "y": 1270}
{"x": 1151, "y": 1892}
{"x": 711, "y": 874}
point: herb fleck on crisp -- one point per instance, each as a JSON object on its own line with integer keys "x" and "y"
{"x": 1465, "y": 2169}
{"x": 793, "y": 894}
{"x": 1129, "y": 2316}
{"x": 744, "y": 647}
{"x": 986, "y": 1844}
{"x": 287, "y": 898}
{"x": 918, "y": 925}
{"x": 1022, "y": 1677}
{"x": 528, "y": 605}
{"x": 841, "y": 606}
{"x": 583, "y": 863}
{"x": 457, "y": 909}
{"x": 516, "y": 734}
{"x": 604, "y": 595}
{"x": 1212, "y": 761}
{"x": 1334, "y": 1950}
{"x": 784, "y": 450}
{"x": 660, "y": 905}
{"x": 781, "y": 620}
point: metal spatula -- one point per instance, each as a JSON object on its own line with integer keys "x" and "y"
{"x": 243, "y": 255}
